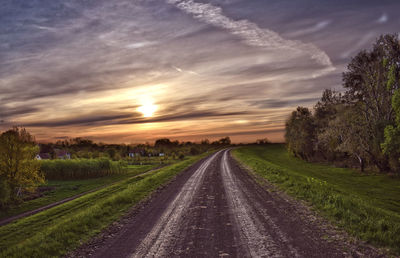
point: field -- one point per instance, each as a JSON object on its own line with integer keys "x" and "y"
{"x": 57, "y": 190}
{"x": 367, "y": 206}
{"x": 80, "y": 168}
{"x": 59, "y": 229}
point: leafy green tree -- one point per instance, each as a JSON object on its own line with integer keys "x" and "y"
{"x": 326, "y": 111}
{"x": 19, "y": 168}
{"x": 300, "y": 133}
{"x": 346, "y": 135}
{"x": 391, "y": 145}
{"x": 370, "y": 89}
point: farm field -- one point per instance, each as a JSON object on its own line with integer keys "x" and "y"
{"x": 57, "y": 190}
{"x": 63, "y": 227}
{"x": 366, "y": 205}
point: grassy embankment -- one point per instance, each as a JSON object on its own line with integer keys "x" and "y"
{"x": 367, "y": 206}
{"x": 62, "y": 189}
{"x": 56, "y": 231}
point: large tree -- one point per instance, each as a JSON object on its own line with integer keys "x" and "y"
{"x": 370, "y": 93}
{"x": 19, "y": 169}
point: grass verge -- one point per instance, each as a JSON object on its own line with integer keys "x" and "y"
{"x": 56, "y": 231}
{"x": 62, "y": 189}
{"x": 367, "y": 206}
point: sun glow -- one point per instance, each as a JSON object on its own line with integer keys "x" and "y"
{"x": 147, "y": 109}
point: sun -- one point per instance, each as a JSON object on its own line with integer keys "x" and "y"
{"x": 147, "y": 109}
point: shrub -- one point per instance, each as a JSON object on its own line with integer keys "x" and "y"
{"x": 5, "y": 192}
{"x": 80, "y": 168}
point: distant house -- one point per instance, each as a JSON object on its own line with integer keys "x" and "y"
{"x": 62, "y": 154}
{"x": 41, "y": 156}
{"x": 137, "y": 152}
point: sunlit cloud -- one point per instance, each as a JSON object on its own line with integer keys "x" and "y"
{"x": 133, "y": 71}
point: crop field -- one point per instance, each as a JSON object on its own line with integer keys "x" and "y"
{"x": 80, "y": 168}
{"x": 56, "y": 231}
{"x": 365, "y": 205}
{"x": 57, "y": 190}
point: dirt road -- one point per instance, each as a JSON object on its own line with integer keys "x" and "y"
{"x": 215, "y": 209}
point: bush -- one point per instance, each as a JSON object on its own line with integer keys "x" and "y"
{"x": 5, "y": 193}
{"x": 80, "y": 168}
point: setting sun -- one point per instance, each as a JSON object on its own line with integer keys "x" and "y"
{"x": 147, "y": 109}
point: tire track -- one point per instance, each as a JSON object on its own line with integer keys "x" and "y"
{"x": 253, "y": 234}
{"x": 158, "y": 240}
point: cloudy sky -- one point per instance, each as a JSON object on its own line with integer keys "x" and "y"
{"x": 132, "y": 71}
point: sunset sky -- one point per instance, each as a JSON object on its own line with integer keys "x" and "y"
{"x": 133, "y": 71}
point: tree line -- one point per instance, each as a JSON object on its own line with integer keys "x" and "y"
{"x": 21, "y": 172}
{"x": 361, "y": 125}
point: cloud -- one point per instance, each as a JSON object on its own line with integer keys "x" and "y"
{"x": 177, "y": 69}
{"x": 80, "y": 120}
{"x": 62, "y": 64}
{"x": 282, "y": 103}
{"x": 317, "y": 27}
{"x": 383, "y": 19}
{"x": 249, "y": 31}
{"x": 140, "y": 44}
{"x": 11, "y": 112}
{"x": 363, "y": 41}
{"x": 180, "y": 70}
{"x": 129, "y": 118}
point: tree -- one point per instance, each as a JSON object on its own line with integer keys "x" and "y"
{"x": 391, "y": 145}
{"x": 223, "y": 141}
{"x": 326, "y": 110}
{"x": 164, "y": 142}
{"x": 346, "y": 134}
{"x": 300, "y": 133}
{"x": 263, "y": 141}
{"x": 194, "y": 150}
{"x": 370, "y": 89}
{"x": 19, "y": 168}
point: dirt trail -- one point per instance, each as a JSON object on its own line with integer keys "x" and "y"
{"x": 216, "y": 209}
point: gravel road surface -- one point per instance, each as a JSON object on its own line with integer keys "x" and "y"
{"x": 216, "y": 209}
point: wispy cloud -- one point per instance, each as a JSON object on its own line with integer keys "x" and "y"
{"x": 82, "y": 68}
{"x": 250, "y": 32}
{"x": 313, "y": 29}
{"x": 180, "y": 70}
{"x": 363, "y": 41}
{"x": 383, "y": 18}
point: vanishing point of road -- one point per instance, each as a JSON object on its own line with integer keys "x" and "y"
{"x": 216, "y": 209}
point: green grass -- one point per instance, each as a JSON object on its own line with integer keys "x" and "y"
{"x": 56, "y": 231}
{"x": 367, "y": 206}
{"x": 63, "y": 189}
{"x": 72, "y": 169}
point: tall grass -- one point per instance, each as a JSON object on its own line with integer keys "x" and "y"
{"x": 340, "y": 194}
{"x": 52, "y": 233}
{"x": 80, "y": 168}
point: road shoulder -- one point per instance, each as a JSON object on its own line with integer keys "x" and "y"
{"x": 326, "y": 230}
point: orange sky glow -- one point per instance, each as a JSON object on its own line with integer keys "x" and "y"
{"x": 135, "y": 71}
